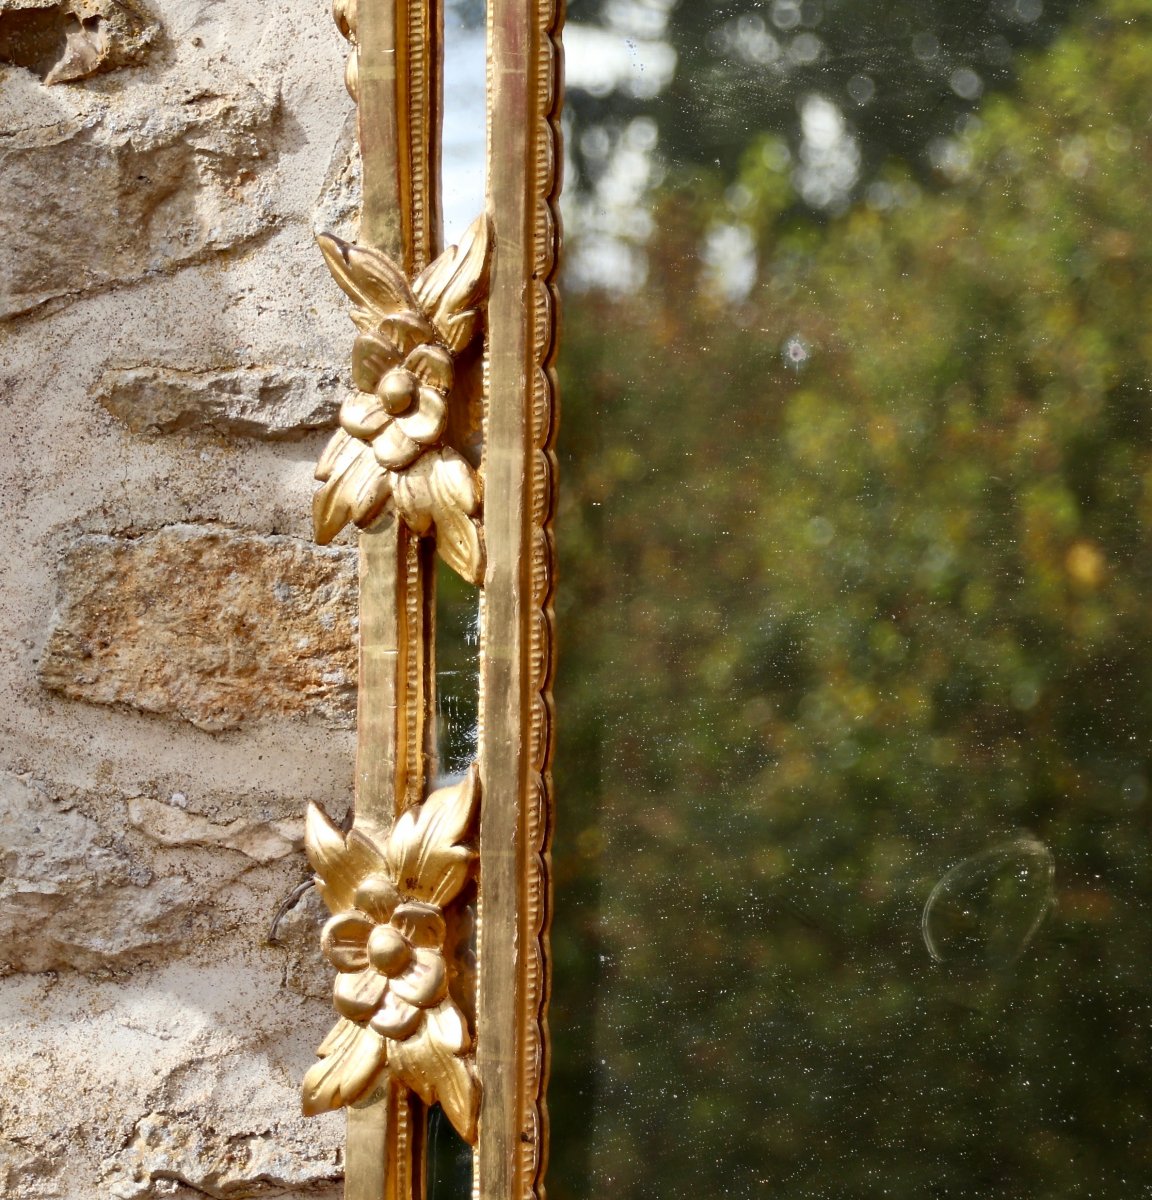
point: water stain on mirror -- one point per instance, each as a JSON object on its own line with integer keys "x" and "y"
{"x": 987, "y": 908}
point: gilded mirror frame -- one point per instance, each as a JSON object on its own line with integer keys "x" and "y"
{"x": 445, "y": 447}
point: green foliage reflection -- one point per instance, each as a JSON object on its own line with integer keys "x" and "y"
{"x": 838, "y": 620}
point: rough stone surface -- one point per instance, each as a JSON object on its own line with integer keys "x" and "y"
{"x": 162, "y": 167}
{"x": 188, "y": 178}
{"x": 73, "y": 893}
{"x": 170, "y": 824}
{"x": 263, "y": 402}
{"x": 72, "y": 39}
{"x": 192, "y": 1096}
{"x": 172, "y": 1148}
{"x": 218, "y": 626}
{"x": 338, "y": 206}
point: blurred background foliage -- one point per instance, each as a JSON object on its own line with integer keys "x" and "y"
{"x": 852, "y": 853}
{"x": 906, "y": 70}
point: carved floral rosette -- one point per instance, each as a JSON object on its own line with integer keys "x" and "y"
{"x": 399, "y": 983}
{"x": 391, "y": 448}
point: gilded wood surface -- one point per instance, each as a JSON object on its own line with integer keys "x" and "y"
{"x": 399, "y": 146}
{"x": 385, "y": 1144}
{"x": 394, "y": 939}
{"x": 516, "y": 639}
{"x": 394, "y": 74}
{"x": 391, "y": 448}
{"x": 407, "y": 464}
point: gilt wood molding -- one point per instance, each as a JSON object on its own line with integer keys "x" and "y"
{"x": 445, "y": 447}
{"x": 517, "y": 628}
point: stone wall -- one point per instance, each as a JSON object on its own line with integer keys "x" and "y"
{"x": 177, "y": 671}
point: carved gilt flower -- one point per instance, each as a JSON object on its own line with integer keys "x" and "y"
{"x": 386, "y": 939}
{"x": 404, "y": 377}
{"x": 390, "y": 447}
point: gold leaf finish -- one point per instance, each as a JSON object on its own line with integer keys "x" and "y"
{"x": 516, "y": 640}
{"x": 386, "y": 939}
{"x": 353, "y": 1063}
{"x": 434, "y": 1071}
{"x": 394, "y": 74}
{"x": 390, "y": 447}
{"x": 444, "y": 424}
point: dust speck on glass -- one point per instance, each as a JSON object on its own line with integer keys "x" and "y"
{"x": 853, "y": 873}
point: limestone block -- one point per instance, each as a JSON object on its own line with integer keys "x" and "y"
{"x": 267, "y": 402}
{"x": 218, "y": 626}
{"x": 177, "y": 1148}
{"x": 194, "y": 1091}
{"x": 73, "y": 39}
{"x": 171, "y": 825}
{"x": 148, "y": 191}
{"x": 71, "y": 893}
{"x": 338, "y": 205}
{"x": 81, "y": 887}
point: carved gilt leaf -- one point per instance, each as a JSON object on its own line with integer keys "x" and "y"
{"x": 451, "y": 287}
{"x": 426, "y": 852}
{"x": 371, "y": 279}
{"x": 441, "y": 489}
{"x": 341, "y": 862}
{"x": 390, "y": 447}
{"x": 353, "y": 1062}
{"x": 428, "y": 1064}
{"x": 356, "y": 488}
{"x": 395, "y": 973}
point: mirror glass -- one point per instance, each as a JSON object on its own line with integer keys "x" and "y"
{"x": 852, "y": 847}
{"x": 448, "y": 1174}
{"x": 462, "y": 145}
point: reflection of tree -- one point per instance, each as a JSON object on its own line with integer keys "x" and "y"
{"x": 903, "y": 71}
{"x": 835, "y": 626}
